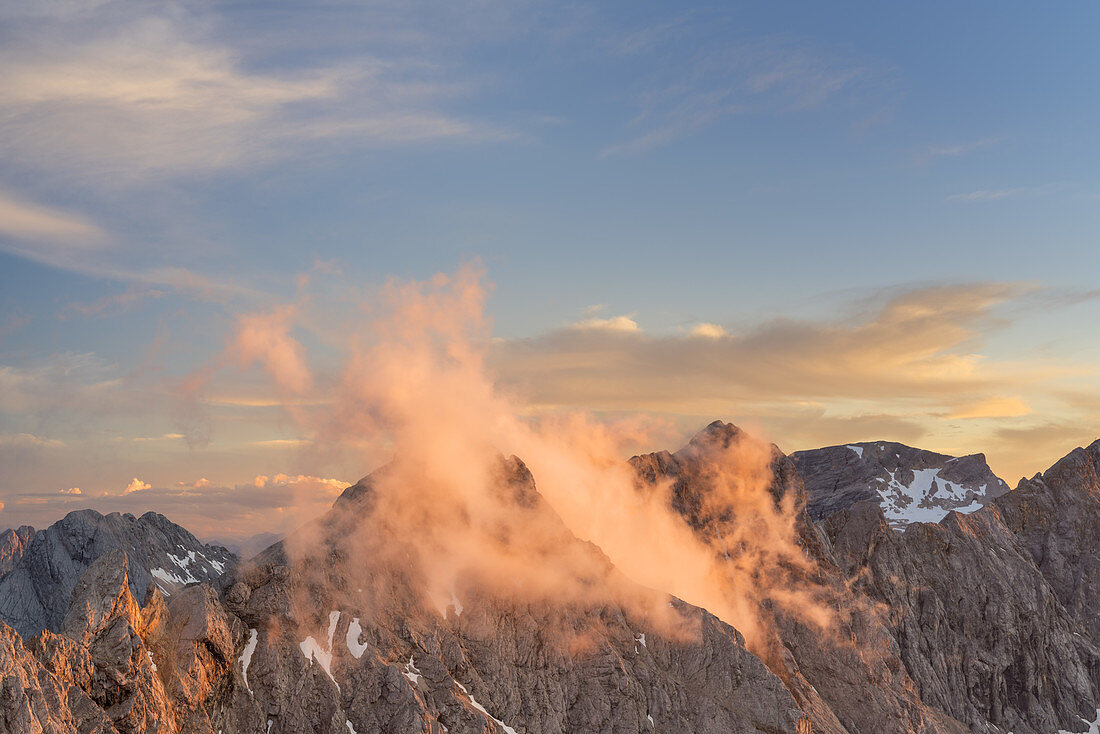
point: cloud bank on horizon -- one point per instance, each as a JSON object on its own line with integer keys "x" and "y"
{"x": 823, "y": 229}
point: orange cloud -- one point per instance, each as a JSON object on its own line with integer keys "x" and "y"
{"x": 994, "y": 408}
{"x": 136, "y": 485}
{"x": 265, "y": 338}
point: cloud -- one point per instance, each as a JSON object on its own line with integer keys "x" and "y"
{"x": 136, "y": 485}
{"x": 1034, "y": 447}
{"x": 914, "y": 344}
{"x": 950, "y": 151}
{"x": 994, "y": 408}
{"x": 265, "y": 338}
{"x": 111, "y": 304}
{"x": 276, "y": 504}
{"x": 769, "y": 75}
{"x": 282, "y": 442}
{"x": 23, "y": 220}
{"x": 76, "y": 383}
{"x": 29, "y": 440}
{"x": 991, "y": 194}
{"x": 708, "y": 331}
{"x": 615, "y": 323}
{"x": 124, "y": 91}
{"x": 452, "y": 505}
{"x": 162, "y": 437}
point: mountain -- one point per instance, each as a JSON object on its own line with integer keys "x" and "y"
{"x": 984, "y": 622}
{"x": 911, "y": 485}
{"x": 1056, "y": 517}
{"x": 862, "y": 683}
{"x": 34, "y": 594}
{"x": 981, "y": 632}
{"x": 330, "y": 638}
{"x": 331, "y": 651}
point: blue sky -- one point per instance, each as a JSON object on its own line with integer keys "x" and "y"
{"x": 774, "y": 170}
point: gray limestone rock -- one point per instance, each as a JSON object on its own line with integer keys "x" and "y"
{"x": 34, "y": 595}
{"x": 912, "y": 485}
{"x": 847, "y": 678}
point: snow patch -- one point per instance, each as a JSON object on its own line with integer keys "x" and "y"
{"x": 411, "y": 672}
{"x": 473, "y": 702}
{"x": 168, "y": 577}
{"x": 928, "y": 497}
{"x": 352, "y": 639}
{"x": 313, "y": 650}
{"x": 350, "y": 727}
{"x": 1093, "y": 726}
{"x": 858, "y": 450}
{"x": 246, "y": 657}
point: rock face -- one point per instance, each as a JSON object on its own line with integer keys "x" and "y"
{"x": 121, "y": 668}
{"x": 34, "y": 594}
{"x": 984, "y": 622}
{"x": 860, "y": 685}
{"x": 32, "y": 699}
{"x": 13, "y": 542}
{"x": 325, "y": 655}
{"x": 1056, "y": 516}
{"x": 911, "y": 485}
{"x": 980, "y": 630}
{"x": 994, "y": 612}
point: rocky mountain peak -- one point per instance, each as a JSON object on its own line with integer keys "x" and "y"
{"x": 101, "y": 595}
{"x": 34, "y": 594}
{"x": 718, "y": 435}
{"x": 910, "y": 484}
{"x": 984, "y": 622}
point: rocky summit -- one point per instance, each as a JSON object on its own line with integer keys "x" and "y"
{"x": 41, "y": 569}
{"x": 911, "y": 485}
{"x": 984, "y": 621}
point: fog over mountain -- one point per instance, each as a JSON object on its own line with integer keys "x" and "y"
{"x": 496, "y": 367}
{"x": 860, "y": 625}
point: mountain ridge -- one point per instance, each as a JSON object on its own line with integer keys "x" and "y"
{"x": 934, "y": 636}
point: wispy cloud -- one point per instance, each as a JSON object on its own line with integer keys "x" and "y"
{"x": 29, "y": 440}
{"x": 992, "y": 194}
{"x": 111, "y": 304}
{"x": 698, "y": 89}
{"x": 121, "y": 91}
{"x": 958, "y": 149}
{"x": 35, "y": 223}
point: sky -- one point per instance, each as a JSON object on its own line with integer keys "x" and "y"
{"x": 827, "y": 223}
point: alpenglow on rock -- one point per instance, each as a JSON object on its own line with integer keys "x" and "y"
{"x": 984, "y": 623}
{"x": 34, "y": 594}
{"x": 910, "y": 484}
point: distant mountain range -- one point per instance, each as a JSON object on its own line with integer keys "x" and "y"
{"x": 981, "y": 616}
